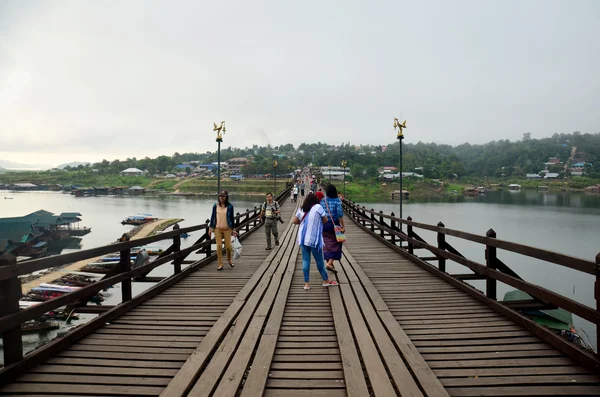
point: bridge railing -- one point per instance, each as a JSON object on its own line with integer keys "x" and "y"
{"x": 11, "y": 317}
{"x": 387, "y": 228}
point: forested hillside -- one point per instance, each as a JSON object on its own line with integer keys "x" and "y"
{"x": 493, "y": 159}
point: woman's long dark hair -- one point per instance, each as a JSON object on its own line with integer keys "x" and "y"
{"x": 310, "y": 200}
{"x": 226, "y": 202}
{"x": 331, "y": 191}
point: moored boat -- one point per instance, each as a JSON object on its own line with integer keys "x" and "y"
{"x": 137, "y": 220}
{"x": 38, "y": 325}
{"x": 557, "y": 320}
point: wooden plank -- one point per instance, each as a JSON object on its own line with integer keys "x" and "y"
{"x": 393, "y": 360}
{"x": 558, "y": 380}
{"x": 380, "y": 382}
{"x": 306, "y": 374}
{"x": 189, "y": 376}
{"x": 259, "y": 372}
{"x": 499, "y": 363}
{"x": 93, "y": 379}
{"x": 114, "y": 363}
{"x": 537, "y": 390}
{"x": 234, "y": 372}
{"x": 353, "y": 374}
{"x": 302, "y": 393}
{"x": 212, "y": 373}
{"x": 69, "y": 389}
{"x": 417, "y": 364}
{"x": 97, "y": 370}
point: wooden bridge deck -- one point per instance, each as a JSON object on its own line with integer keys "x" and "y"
{"x": 391, "y": 328}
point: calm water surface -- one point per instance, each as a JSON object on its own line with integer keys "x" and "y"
{"x": 568, "y": 223}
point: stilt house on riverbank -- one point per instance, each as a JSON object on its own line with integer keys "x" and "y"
{"x": 28, "y": 235}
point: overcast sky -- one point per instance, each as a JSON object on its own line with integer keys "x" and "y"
{"x": 87, "y": 80}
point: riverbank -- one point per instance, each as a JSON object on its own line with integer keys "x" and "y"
{"x": 136, "y": 233}
{"x": 207, "y": 187}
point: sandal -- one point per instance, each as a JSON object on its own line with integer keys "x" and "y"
{"x": 231, "y": 264}
{"x": 220, "y": 268}
{"x": 331, "y": 269}
{"x": 331, "y": 283}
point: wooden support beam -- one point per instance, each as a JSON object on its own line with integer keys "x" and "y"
{"x": 469, "y": 276}
{"x": 151, "y": 279}
{"x": 428, "y": 258}
{"x": 91, "y": 309}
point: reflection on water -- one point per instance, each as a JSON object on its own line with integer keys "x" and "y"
{"x": 508, "y": 197}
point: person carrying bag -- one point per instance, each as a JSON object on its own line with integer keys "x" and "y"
{"x": 333, "y": 233}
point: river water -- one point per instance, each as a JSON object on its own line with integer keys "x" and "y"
{"x": 564, "y": 222}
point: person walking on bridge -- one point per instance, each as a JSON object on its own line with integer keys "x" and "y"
{"x": 269, "y": 212}
{"x": 311, "y": 218}
{"x": 332, "y": 248}
{"x": 221, "y": 223}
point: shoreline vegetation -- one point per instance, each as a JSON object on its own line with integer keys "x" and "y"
{"x": 372, "y": 187}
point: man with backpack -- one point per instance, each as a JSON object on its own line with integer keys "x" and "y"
{"x": 270, "y": 214}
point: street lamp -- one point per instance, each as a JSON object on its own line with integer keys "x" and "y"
{"x": 219, "y": 129}
{"x": 344, "y": 162}
{"x": 400, "y": 126}
{"x": 275, "y": 172}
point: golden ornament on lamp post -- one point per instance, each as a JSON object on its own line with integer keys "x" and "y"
{"x": 400, "y": 136}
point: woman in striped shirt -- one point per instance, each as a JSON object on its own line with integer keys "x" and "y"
{"x": 311, "y": 218}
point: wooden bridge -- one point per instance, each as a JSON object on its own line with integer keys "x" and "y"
{"x": 396, "y": 325}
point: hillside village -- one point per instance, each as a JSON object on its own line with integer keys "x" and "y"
{"x": 574, "y": 158}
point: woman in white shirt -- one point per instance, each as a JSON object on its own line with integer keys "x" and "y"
{"x": 311, "y": 218}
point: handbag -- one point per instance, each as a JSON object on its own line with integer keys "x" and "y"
{"x": 339, "y": 235}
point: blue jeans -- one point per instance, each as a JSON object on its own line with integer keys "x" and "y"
{"x": 318, "y": 255}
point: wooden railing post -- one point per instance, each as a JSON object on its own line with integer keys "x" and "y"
{"x": 125, "y": 266}
{"x": 10, "y": 293}
{"x": 381, "y": 223}
{"x": 409, "y": 232}
{"x": 176, "y": 248}
{"x": 490, "y": 262}
{"x": 363, "y": 216}
{"x": 393, "y": 227}
{"x": 236, "y": 222}
{"x": 247, "y": 220}
{"x": 441, "y": 240}
{"x": 372, "y": 220}
{"x": 208, "y": 248}
{"x": 597, "y": 296}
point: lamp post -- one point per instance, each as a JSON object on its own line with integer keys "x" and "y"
{"x": 219, "y": 129}
{"x": 400, "y": 136}
{"x": 344, "y": 162}
{"x": 275, "y": 172}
